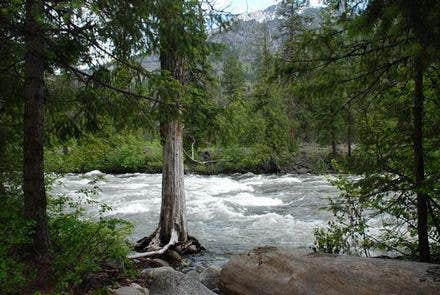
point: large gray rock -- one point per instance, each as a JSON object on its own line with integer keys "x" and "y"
{"x": 271, "y": 271}
{"x": 166, "y": 281}
{"x": 209, "y": 276}
{"x": 151, "y": 270}
{"x": 133, "y": 289}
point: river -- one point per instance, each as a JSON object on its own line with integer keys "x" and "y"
{"x": 228, "y": 214}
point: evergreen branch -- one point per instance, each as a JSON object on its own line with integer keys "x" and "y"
{"x": 107, "y": 85}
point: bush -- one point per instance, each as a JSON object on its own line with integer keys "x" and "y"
{"x": 257, "y": 158}
{"x": 245, "y": 158}
{"x": 79, "y": 246}
{"x": 128, "y": 152}
{"x": 82, "y": 246}
{"x": 114, "y": 154}
{"x": 366, "y": 203}
{"x": 14, "y": 233}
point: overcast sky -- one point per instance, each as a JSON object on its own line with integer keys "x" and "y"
{"x": 240, "y": 6}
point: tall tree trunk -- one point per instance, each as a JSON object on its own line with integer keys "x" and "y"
{"x": 349, "y": 130}
{"x": 172, "y": 231}
{"x": 2, "y": 153}
{"x": 173, "y": 209}
{"x": 334, "y": 147}
{"x": 33, "y": 178}
{"x": 422, "y": 201}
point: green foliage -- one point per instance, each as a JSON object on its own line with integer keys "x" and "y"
{"x": 14, "y": 235}
{"x": 126, "y": 152}
{"x": 253, "y": 121}
{"x": 348, "y": 233}
{"x": 233, "y": 79}
{"x": 245, "y": 159}
{"x": 384, "y": 157}
{"x": 80, "y": 246}
{"x": 377, "y": 51}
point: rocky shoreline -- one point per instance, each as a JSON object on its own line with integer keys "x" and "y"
{"x": 160, "y": 278}
{"x": 269, "y": 270}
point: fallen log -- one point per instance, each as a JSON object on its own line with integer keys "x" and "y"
{"x": 268, "y": 270}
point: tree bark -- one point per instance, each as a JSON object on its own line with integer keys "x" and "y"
{"x": 35, "y": 202}
{"x": 173, "y": 209}
{"x": 422, "y": 200}
{"x": 2, "y": 153}
{"x": 172, "y": 231}
{"x": 349, "y": 130}
{"x": 334, "y": 147}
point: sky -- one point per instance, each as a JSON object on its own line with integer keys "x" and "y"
{"x": 241, "y": 6}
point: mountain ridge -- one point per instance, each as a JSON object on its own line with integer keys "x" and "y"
{"x": 246, "y": 35}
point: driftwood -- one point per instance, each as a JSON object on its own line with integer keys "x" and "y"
{"x": 202, "y": 162}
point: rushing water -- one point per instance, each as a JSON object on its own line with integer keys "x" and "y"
{"x": 228, "y": 214}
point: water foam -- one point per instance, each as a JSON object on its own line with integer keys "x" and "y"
{"x": 247, "y": 199}
{"x": 130, "y": 208}
{"x": 228, "y": 214}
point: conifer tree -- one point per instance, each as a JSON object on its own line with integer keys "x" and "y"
{"x": 50, "y": 36}
{"x": 378, "y": 46}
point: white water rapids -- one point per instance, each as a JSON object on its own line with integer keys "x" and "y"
{"x": 228, "y": 214}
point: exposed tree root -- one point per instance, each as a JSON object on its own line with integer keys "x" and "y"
{"x": 191, "y": 246}
{"x": 150, "y": 246}
{"x": 174, "y": 239}
{"x": 149, "y": 243}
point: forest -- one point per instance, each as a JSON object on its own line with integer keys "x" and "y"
{"x": 312, "y": 127}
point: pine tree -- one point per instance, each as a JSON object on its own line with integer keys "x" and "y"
{"x": 233, "y": 78}
{"x": 383, "y": 45}
{"x": 183, "y": 50}
{"x": 51, "y": 36}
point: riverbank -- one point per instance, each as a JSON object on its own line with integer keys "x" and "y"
{"x": 138, "y": 156}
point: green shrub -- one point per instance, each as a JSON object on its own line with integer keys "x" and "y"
{"x": 14, "y": 235}
{"x": 118, "y": 153}
{"x": 80, "y": 246}
{"x": 246, "y": 158}
{"x": 235, "y": 158}
{"x": 130, "y": 152}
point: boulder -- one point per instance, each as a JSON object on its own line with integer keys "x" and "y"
{"x": 166, "y": 281}
{"x": 268, "y": 270}
{"x": 133, "y": 289}
{"x": 195, "y": 272}
{"x": 157, "y": 262}
{"x": 151, "y": 270}
{"x": 209, "y": 276}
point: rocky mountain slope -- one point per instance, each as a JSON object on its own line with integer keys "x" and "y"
{"x": 247, "y": 34}
{"x": 250, "y": 31}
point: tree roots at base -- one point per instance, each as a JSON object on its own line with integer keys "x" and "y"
{"x": 150, "y": 246}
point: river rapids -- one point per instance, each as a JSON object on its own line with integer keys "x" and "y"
{"x": 228, "y": 214}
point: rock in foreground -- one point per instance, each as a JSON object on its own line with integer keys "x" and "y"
{"x": 269, "y": 270}
{"x": 133, "y": 289}
{"x": 207, "y": 276}
{"x": 166, "y": 281}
